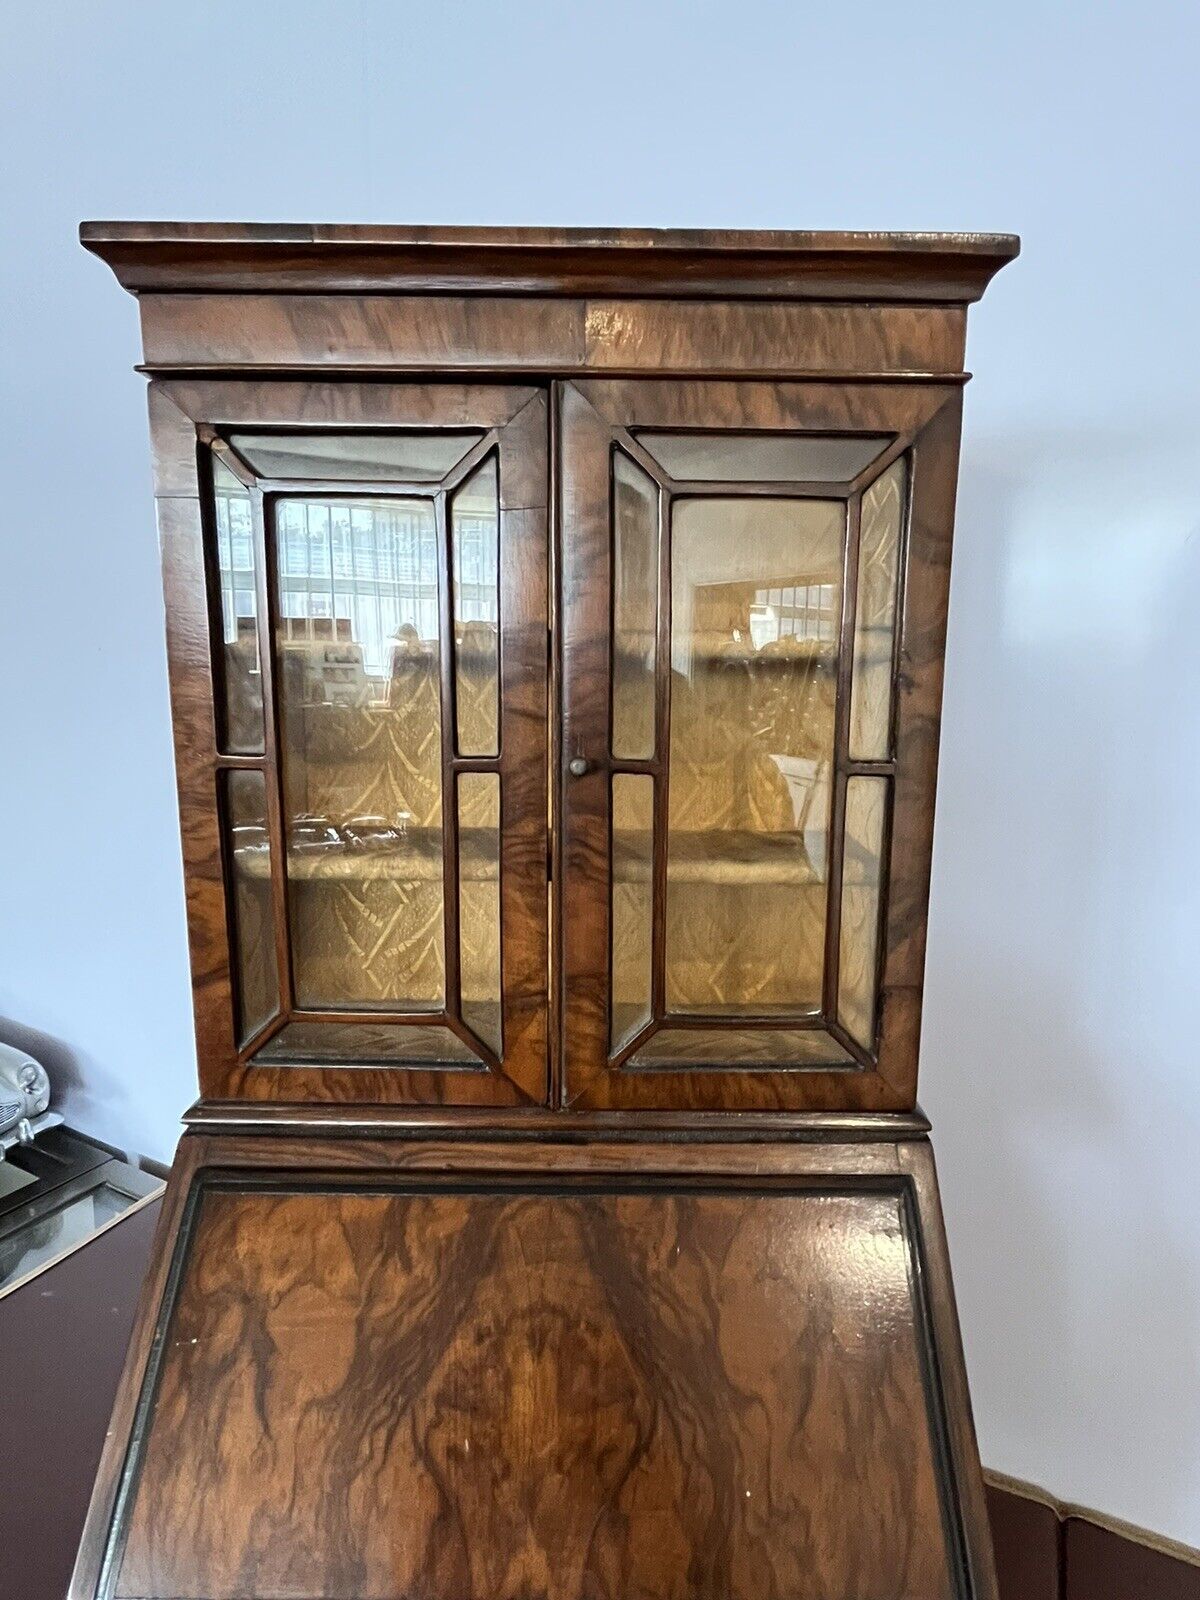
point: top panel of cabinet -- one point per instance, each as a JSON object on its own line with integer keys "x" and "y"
{"x": 932, "y": 268}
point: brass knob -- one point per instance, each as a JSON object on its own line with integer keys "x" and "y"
{"x": 577, "y": 766}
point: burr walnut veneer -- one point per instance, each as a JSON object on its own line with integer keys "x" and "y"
{"x": 556, "y": 625}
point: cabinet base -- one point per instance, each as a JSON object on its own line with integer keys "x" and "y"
{"x": 473, "y": 1368}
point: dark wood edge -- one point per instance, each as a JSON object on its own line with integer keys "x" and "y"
{"x": 945, "y": 1343}
{"x": 248, "y": 257}
{"x": 343, "y": 402}
{"x": 182, "y": 417}
{"x": 523, "y": 703}
{"x": 918, "y": 669}
{"x": 544, "y": 1122}
{"x": 925, "y": 421}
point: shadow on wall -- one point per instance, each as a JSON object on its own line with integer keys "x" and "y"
{"x": 1061, "y": 993}
{"x": 78, "y": 1083}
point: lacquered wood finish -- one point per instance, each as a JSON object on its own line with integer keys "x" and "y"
{"x": 421, "y": 333}
{"x": 924, "y": 422}
{"x": 349, "y": 258}
{"x": 185, "y": 418}
{"x": 410, "y": 1351}
{"x": 549, "y": 1328}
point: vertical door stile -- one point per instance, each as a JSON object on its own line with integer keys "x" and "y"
{"x": 447, "y": 662}
{"x": 835, "y": 853}
{"x": 586, "y": 652}
{"x": 662, "y": 757}
{"x": 554, "y": 706}
{"x": 266, "y": 582}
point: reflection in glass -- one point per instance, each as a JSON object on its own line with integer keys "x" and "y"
{"x": 755, "y": 599}
{"x": 45, "y": 1237}
{"x": 762, "y": 457}
{"x": 354, "y": 457}
{"x": 634, "y": 608}
{"x": 875, "y": 616}
{"x": 862, "y": 868}
{"x": 768, "y": 1049}
{"x": 632, "y": 903}
{"x": 357, "y": 668}
{"x": 479, "y": 906}
{"x": 248, "y": 851}
{"x": 365, "y": 1044}
{"x": 240, "y": 709}
{"x": 475, "y": 549}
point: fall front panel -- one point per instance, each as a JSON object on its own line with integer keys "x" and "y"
{"x": 562, "y": 1386}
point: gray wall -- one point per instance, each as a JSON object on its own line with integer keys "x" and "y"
{"x": 1059, "y": 1058}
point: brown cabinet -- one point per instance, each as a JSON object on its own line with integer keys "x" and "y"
{"x": 556, "y": 626}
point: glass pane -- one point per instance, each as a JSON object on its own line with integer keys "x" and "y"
{"x": 752, "y": 726}
{"x": 475, "y": 546}
{"x": 365, "y": 1044}
{"x": 239, "y": 709}
{"x": 875, "y": 616}
{"x": 355, "y": 457}
{"x": 479, "y": 903}
{"x": 249, "y": 853}
{"x": 53, "y": 1234}
{"x": 858, "y": 960}
{"x": 632, "y": 903}
{"x": 769, "y": 1049}
{"x": 635, "y": 609}
{"x": 358, "y": 664}
{"x": 762, "y": 457}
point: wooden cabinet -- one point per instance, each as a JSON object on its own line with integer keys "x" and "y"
{"x": 556, "y": 625}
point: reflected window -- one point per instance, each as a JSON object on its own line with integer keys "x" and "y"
{"x": 239, "y": 705}
{"x": 359, "y": 653}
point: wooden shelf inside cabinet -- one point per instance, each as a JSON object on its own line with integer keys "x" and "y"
{"x": 555, "y": 625}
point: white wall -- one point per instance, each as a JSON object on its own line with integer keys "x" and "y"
{"x": 1059, "y": 1048}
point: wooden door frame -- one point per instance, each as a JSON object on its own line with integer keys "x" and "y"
{"x": 924, "y": 419}
{"x": 189, "y": 415}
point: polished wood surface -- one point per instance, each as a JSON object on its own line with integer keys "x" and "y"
{"x": 594, "y": 414}
{"x": 682, "y": 262}
{"x": 222, "y": 360}
{"x": 544, "y": 1370}
{"x": 321, "y": 333}
{"x": 184, "y": 415}
{"x": 545, "y": 1326}
{"x": 74, "y": 1391}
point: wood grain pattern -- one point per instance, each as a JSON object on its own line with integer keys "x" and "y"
{"x": 539, "y": 336}
{"x": 924, "y": 418}
{"x": 553, "y": 1330}
{"x": 645, "y": 336}
{"x": 418, "y": 1385}
{"x": 918, "y": 703}
{"x": 351, "y": 258}
{"x": 181, "y": 413}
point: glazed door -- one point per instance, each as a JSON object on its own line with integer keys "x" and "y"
{"x": 753, "y": 604}
{"x": 357, "y": 610}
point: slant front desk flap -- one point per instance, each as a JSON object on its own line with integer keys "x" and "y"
{"x": 555, "y": 624}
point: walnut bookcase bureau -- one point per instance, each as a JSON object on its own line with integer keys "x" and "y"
{"x": 556, "y": 626}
